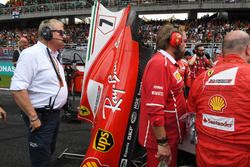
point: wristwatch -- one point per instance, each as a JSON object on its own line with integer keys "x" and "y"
{"x": 162, "y": 141}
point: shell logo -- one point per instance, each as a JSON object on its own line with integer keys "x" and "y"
{"x": 92, "y": 162}
{"x": 217, "y": 103}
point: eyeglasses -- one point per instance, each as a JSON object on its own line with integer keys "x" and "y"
{"x": 201, "y": 50}
{"x": 61, "y": 32}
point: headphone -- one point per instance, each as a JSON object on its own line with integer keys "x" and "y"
{"x": 175, "y": 39}
{"x": 46, "y": 33}
{"x": 195, "y": 50}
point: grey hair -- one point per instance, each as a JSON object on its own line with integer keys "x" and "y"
{"x": 47, "y": 23}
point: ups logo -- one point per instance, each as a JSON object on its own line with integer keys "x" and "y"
{"x": 103, "y": 141}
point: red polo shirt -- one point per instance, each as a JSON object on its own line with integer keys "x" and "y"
{"x": 162, "y": 99}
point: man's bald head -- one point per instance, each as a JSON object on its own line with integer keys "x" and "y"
{"x": 23, "y": 39}
{"x": 23, "y": 43}
{"x": 235, "y": 42}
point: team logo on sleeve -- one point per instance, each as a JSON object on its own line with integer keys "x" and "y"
{"x": 217, "y": 103}
{"x": 210, "y": 72}
{"x": 177, "y": 76}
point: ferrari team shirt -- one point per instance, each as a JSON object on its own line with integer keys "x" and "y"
{"x": 221, "y": 100}
{"x": 200, "y": 65}
{"x": 162, "y": 100}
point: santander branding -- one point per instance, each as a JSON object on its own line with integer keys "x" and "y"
{"x": 218, "y": 122}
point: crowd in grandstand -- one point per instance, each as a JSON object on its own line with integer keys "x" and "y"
{"x": 19, "y": 7}
{"x": 18, "y": 3}
{"x": 203, "y": 30}
{"x": 13, "y": 3}
{"x": 76, "y": 34}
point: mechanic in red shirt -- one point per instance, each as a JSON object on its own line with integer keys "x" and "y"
{"x": 198, "y": 63}
{"x": 220, "y": 98}
{"x": 162, "y": 99}
{"x": 185, "y": 72}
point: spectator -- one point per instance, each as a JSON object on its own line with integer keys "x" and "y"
{"x": 22, "y": 44}
{"x": 220, "y": 99}
{"x": 162, "y": 100}
{"x": 39, "y": 89}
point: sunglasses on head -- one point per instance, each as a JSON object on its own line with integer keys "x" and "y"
{"x": 61, "y": 32}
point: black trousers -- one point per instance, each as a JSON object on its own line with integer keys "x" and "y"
{"x": 42, "y": 142}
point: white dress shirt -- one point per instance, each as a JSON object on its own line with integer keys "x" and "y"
{"x": 35, "y": 73}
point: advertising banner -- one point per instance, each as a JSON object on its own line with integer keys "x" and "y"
{"x": 6, "y": 72}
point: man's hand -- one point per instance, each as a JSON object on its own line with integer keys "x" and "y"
{"x": 164, "y": 153}
{"x": 192, "y": 60}
{"x": 3, "y": 114}
{"x": 35, "y": 124}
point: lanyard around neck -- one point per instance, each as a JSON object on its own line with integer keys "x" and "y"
{"x": 55, "y": 68}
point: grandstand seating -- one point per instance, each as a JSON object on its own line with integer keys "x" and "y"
{"x": 42, "y": 8}
{"x": 207, "y": 29}
{"x": 21, "y": 9}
